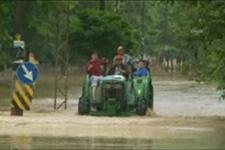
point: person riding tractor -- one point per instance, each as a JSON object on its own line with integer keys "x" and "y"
{"x": 126, "y": 59}
{"x": 141, "y": 70}
{"x": 119, "y": 92}
{"x": 95, "y": 72}
{"x": 119, "y": 68}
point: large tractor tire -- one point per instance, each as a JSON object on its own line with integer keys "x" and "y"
{"x": 83, "y": 106}
{"x": 141, "y": 108}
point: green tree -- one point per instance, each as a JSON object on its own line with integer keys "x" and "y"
{"x": 6, "y": 31}
{"x": 102, "y": 32}
{"x": 52, "y": 22}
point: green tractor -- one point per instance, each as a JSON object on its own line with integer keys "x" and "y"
{"x": 116, "y": 96}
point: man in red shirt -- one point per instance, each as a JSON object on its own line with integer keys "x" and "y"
{"x": 95, "y": 72}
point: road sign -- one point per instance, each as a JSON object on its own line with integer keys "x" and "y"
{"x": 27, "y": 73}
{"x": 22, "y": 96}
{"x": 18, "y": 44}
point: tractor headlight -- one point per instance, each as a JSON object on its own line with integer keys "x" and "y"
{"x": 139, "y": 92}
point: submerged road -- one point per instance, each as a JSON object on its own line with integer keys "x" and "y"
{"x": 184, "y": 111}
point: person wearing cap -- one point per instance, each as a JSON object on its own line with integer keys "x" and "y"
{"x": 119, "y": 68}
{"x": 126, "y": 59}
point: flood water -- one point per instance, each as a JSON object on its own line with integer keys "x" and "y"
{"x": 173, "y": 98}
{"x": 207, "y": 141}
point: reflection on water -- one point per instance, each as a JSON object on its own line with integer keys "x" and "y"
{"x": 20, "y": 142}
{"x": 24, "y": 142}
{"x": 72, "y": 143}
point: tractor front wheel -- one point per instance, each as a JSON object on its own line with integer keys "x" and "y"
{"x": 141, "y": 108}
{"x": 83, "y": 106}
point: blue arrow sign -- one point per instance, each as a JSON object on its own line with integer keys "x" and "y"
{"x": 27, "y": 73}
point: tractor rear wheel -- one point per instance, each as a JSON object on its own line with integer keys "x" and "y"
{"x": 83, "y": 106}
{"x": 151, "y": 98}
{"x": 141, "y": 108}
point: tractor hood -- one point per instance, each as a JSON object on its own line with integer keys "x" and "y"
{"x": 118, "y": 78}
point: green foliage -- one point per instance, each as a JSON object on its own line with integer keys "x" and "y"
{"x": 192, "y": 31}
{"x": 5, "y": 37}
{"x": 88, "y": 29}
{"x": 50, "y": 22}
{"x": 101, "y": 32}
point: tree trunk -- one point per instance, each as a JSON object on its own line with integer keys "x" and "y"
{"x": 102, "y": 5}
{"x": 116, "y": 6}
{"x": 19, "y": 16}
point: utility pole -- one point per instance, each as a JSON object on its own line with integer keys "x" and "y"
{"x": 61, "y": 63}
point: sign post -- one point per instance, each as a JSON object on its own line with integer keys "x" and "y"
{"x": 26, "y": 75}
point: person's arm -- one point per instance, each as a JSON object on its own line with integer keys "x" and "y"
{"x": 136, "y": 73}
{"x": 124, "y": 70}
{"x": 130, "y": 60}
{"x": 89, "y": 66}
{"x": 145, "y": 72}
{"x": 114, "y": 60}
{"x": 111, "y": 71}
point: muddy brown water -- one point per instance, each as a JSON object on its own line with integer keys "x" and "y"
{"x": 187, "y": 115}
{"x": 22, "y": 142}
